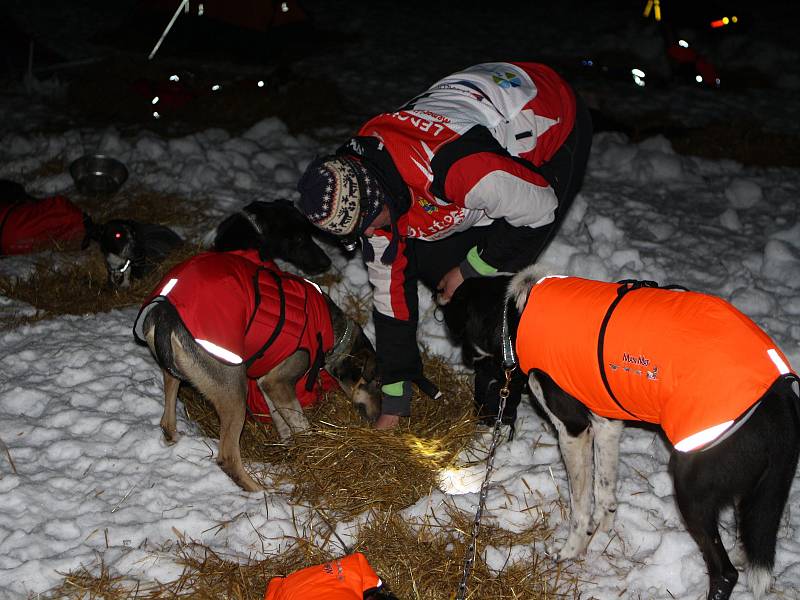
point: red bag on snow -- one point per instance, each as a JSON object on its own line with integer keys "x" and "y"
{"x": 39, "y": 224}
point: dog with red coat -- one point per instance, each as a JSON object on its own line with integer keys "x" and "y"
{"x": 252, "y": 338}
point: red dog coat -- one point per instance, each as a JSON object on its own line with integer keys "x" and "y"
{"x": 345, "y": 578}
{"x": 39, "y": 224}
{"x": 689, "y": 362}
{"x": 244, "y": 310}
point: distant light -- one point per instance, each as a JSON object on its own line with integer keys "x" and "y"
{"x": 698, "y": 78}
{"x": 637, "y": 72}
{"x": 260, "y": 83}
{"x": 724, "y": 21}
{"x": 638, "y": 77}
{"x": 174, "y": 78}
{"x": 154, "y": 100}
{"x": 200, "y": 10}
{"x": 717, "y": 82}
{"x": 284, "y": 7}
{"x": 156, "y": 115}
{"x": 216, "y": 87}
{"x": 683, "y": 43}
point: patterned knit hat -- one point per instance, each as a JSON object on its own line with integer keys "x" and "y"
{"x": 338, "y": 195}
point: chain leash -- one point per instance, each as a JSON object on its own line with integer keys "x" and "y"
{"x": 469, "y": 556}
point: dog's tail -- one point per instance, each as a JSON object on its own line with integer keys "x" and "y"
{"x": 164, "y": 319}
{"x": 522, "y": 282}
{"x": 761, "y": 509}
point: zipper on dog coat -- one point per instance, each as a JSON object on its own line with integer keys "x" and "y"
{"x": 687, "y": 361}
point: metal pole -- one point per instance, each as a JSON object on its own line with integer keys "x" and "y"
{"x": 184, "y": 3}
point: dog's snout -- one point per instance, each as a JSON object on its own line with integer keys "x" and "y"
{"x": 367, "y": 400}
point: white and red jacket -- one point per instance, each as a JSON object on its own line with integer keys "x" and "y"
{"x": 690, "y": 362}
{"x": 243, "y": 310}
{"x": 470, "y": 150}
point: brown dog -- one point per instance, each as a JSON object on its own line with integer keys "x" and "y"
{"x": 212, "y": 294}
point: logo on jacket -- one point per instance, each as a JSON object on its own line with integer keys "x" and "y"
{"x": 507, "y": 80}
{"x": 635, "y": 360}
{"x": 638, "y": 365}
{"x": 427, "y": 206}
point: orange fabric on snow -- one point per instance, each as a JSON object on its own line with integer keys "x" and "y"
{"x": 684, "y": 360}
{"x": 345, "y": 578}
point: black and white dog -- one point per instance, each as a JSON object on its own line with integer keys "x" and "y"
{"x": 473, "y": 323}
{"x": 751, "y": 465}
{"x": 132, "y": 249}
{"x": 277, "y": 230}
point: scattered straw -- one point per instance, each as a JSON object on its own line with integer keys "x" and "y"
{"x": 81, "y": 287}
{"x": 422, "y": 561}
{"x": 344, "y": 467}
{"x": 140, "y": 204}
{"x": 8, "y": 454}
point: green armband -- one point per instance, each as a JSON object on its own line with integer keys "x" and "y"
{"x": 480, "y": 266}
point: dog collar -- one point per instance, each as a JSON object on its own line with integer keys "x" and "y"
{"x": 253, "y": 222}
{"x": 342, "y": 346}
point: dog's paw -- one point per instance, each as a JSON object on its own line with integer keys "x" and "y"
{"x": 170, "y": 436}
{"x": 604, "y": 518}
{"x": 574, "y": 547}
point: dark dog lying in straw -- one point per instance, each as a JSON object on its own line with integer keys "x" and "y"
{"x": 724, "y": 395}
{"x": 131, "y": 249}
{"x": 275, "y": 229}
{"x": 247, "y": 335}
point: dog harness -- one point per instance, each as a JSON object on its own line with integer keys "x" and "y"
{"x": 243, "y": 310}
{"x": 345, "y": 578}
{"x": 687, "y": 361}
{"x": 38, "y": 224}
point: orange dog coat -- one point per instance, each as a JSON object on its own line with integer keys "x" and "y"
{"x": 689, "y": 362}
{"x": 345, "y": 578}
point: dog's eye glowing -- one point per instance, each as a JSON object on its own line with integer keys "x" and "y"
{"x": 118, "y": 235}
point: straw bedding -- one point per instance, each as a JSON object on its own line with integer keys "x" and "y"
{"x": 343, "y": 469}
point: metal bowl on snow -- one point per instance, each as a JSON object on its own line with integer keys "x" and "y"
{"x": 98, "y": 174}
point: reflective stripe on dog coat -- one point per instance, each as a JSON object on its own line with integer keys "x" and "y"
{"x": 689, "y": 362}
{"x": 345, "y": 578}
{"x": 241, "y": 309}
